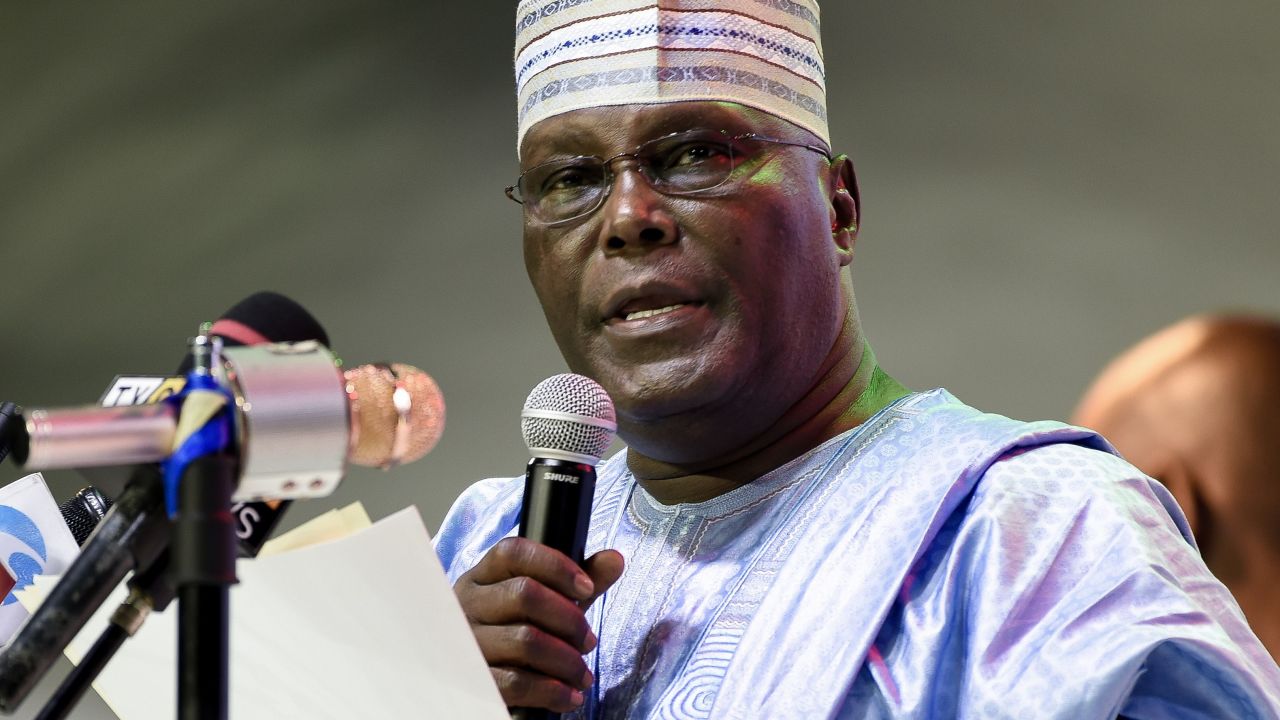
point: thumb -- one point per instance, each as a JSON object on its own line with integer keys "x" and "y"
{"x": 605, "y": 567}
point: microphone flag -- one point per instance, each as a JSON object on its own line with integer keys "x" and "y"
{"x": 141, "y": 389}
{"x": 34, "y": 540}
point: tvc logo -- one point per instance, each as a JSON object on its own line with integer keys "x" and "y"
{"x": 22, "y": 548}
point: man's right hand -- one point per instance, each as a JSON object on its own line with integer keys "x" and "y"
{"x": 526, "y": 604}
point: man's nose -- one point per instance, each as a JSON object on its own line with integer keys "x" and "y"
{"x": 636, "y": 218}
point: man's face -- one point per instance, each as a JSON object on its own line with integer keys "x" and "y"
{"x": 716, "y": 308}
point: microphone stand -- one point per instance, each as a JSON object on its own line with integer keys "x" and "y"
{"x": 203, "y": 558}
{"x": 199, "y": 482}
{"x": 201, "y": 477}
{"x": 74, "y": 685}
{"x": 204, "y": 554}
{"x": 130, "y": 536}
{"x": 190, "y": 494}
{"x": 151, "y": 590}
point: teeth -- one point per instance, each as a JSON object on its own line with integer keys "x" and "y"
{"x": 651, "y": 313}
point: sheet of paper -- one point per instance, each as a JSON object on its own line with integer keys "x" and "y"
{"x": 362, "y": 627}
{"x": 332, "y": 525}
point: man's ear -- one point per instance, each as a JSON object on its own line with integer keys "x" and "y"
{"x": 846, "y": 206}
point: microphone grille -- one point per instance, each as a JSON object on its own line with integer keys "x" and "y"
{"x": 570, "y": 417}
{"x": 397, "y": 414}
{"x": 84, "y": 511}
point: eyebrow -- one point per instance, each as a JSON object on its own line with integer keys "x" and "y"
{"x": 564, "y": 144}
{"x": 687, "y": 119}
{"x": 574, "y": 141}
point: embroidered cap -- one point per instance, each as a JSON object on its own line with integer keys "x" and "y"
{"x": 574, "y": 54}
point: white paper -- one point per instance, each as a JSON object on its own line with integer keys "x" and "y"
{"x": 362, "y": 627}
{"x": 332, "y": 525}
{"x": 34, "y": 540}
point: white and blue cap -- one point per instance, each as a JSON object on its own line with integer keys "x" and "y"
{"x": 574, "y": 54}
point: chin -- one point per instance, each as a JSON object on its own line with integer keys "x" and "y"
{"x": 665, "y": 391}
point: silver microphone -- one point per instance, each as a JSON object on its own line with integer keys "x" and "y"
{"x": 298, "y": 420}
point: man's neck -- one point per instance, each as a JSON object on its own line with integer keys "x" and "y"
{"x": 849, "y": 391}
{"x": 1250, "y": 568}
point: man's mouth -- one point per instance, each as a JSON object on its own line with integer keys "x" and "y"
{"x": 651, "y": 307}
{"x": 642, "y": 314}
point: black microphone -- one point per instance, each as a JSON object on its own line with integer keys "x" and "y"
{"x": 567, "y": 423}
{"x": 264, "y": 317}
{"x": 83, "y": 511}
{"x": 10, "y": 419}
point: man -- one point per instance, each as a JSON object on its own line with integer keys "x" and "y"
{"x": 790, "y": 532}
{"x": 1196, "y": 407}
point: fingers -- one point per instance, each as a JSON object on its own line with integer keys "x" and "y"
{"x": 525, "y": 600}
{"x": 525, "y": 603}
{"x": 518, "y": 557}
{"x": 521, "y": 688}
{"x": 515, "y": 646}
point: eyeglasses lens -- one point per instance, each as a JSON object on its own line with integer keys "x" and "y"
{"x": 676, "y": 164}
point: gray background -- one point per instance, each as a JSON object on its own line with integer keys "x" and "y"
{"x": 1043, "y": 183}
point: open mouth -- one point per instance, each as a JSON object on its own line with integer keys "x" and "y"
{"x": 642, "y": 314}
{"x": 648, "y": 308}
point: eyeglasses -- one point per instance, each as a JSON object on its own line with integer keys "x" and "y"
{"x": 682, "y": 163}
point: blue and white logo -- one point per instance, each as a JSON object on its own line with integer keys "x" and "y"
{"x": 34, "y": 540}
{"x": 22, "y": 548}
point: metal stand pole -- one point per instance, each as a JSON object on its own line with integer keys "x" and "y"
{"x": 151, "y": 589}
{"x": 64, "y": 699}
{"x": 204, "y": 556}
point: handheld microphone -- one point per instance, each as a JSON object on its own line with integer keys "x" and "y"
{"x": 567, "y": 423}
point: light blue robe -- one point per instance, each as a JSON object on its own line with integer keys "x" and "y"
{"x": 935, "y": 562}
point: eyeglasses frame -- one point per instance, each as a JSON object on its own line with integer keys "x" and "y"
{"x": 611, "y": 177}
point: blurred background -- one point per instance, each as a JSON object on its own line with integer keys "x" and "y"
{"x": 1042, "y": 185}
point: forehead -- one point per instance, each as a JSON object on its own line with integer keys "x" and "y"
{"x": 612, "y": 129}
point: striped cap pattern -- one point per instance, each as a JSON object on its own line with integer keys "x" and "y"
{"x": 574, "y": 54}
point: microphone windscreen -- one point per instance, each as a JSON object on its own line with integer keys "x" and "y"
{"x": 569, "y": 417}
{"x": 264, "y": 317}
{"x": 276, "y": 318}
